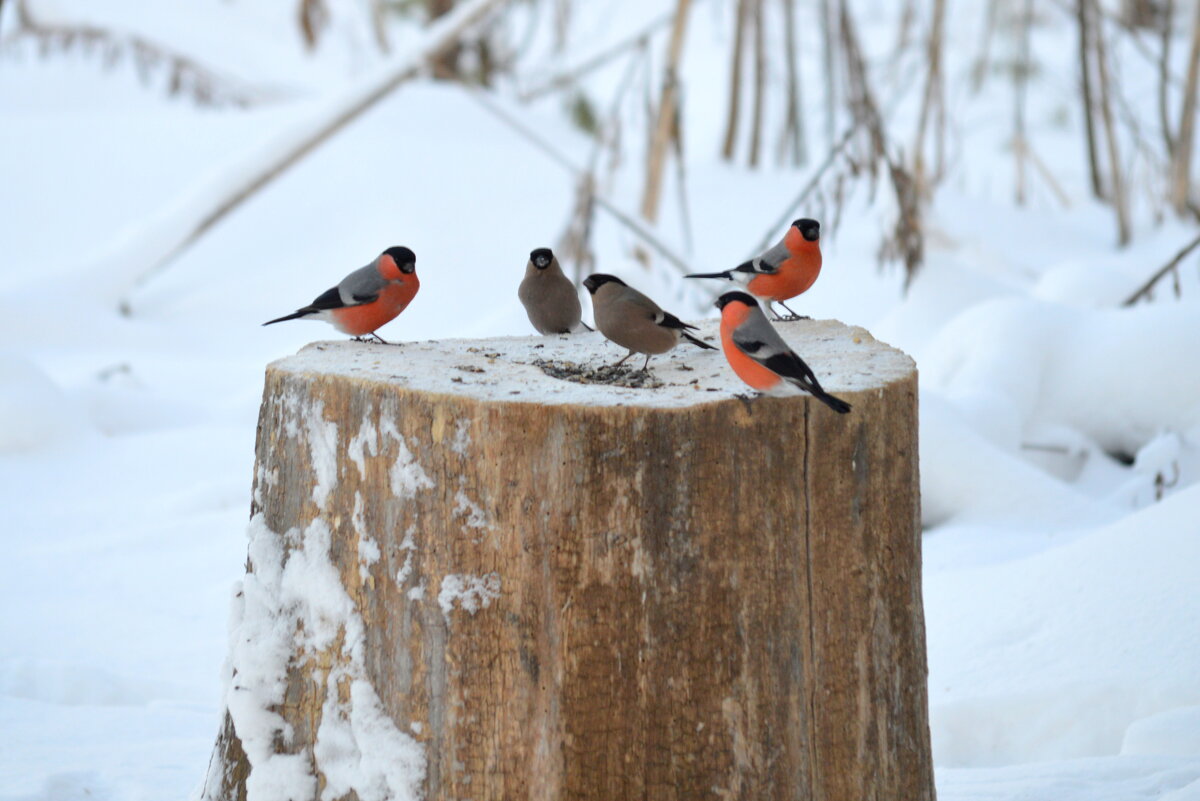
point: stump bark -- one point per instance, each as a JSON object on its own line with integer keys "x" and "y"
{"x": 471, "y": 580}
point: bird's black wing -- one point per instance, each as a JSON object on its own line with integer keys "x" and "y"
{"x": 783, "y": 361}
{"x": 793, "y": 368}
{"x": 329, "y": 299}
{"x": 671, "y": 321}
{"x": 332, "y": 299}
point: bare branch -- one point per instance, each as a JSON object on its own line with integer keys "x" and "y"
{"x": 571, "y": 76}
{"x": 932, "y": 97}
{"x": 794, "y": 137}
{"x": 186, "y": 75}
{"x": 1120, "y": 192}
{"x": 667, "y": 116}
{"x": 828, "y": 48}
{"x": 1169, "y": 267}
{"x": 760, "y": 83}
{"x": 1083, "y": 14}
{"x": 735, "y": 80}
{"x": 1181, "y": 168}
{"x": 443, "y": 35}
{"x": 1164, "y": 76}
{"x": 1020, "y": 80}
{"x": 627, "y": 220}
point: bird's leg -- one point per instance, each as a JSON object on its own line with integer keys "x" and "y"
{"x": 793, "y": 316}
{"x": 381, "y": 339}
{"x": 618, "y": 364}
{"x": 646, "y": 366}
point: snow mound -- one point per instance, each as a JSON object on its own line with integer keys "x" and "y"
{"x": 1175, "y": 732}
{"x": 1119, "y": 376}
{"x": 1079, "y": 642}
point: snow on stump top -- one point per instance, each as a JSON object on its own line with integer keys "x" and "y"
{"x": 523, "y": 369}
{"x": 470, "y": 577}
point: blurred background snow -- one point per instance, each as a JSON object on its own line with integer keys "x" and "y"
{"x": 1060, "y": 423}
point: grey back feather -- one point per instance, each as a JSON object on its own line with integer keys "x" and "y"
{"x": 361, "y": 286}
{"x": 757, "y": 338}
{"x": 772, "y": 257}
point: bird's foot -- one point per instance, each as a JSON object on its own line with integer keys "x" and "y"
{"x": 747, "y": 400}
{"x": 791, "y": 318}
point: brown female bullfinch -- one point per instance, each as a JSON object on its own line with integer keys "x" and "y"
{"x": 632, "y": 320}
{"x": 367, "y": 298}
{"x": 788, "y": 268}
{"x": 759, "y": 355}
{"x": 549, "y": 297}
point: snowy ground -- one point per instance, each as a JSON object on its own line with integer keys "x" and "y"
{"x": 1063, "y": 615}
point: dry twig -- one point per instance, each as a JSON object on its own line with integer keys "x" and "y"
{"x": 1168, "y": 268}
{"x": 185, "y": 75}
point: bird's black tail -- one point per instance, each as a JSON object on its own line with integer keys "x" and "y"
{"x": 293, "y": 316}
{"x": 837, "y": 404}
{"x": 724, "y": 275}
{"x": 695, "y": 341}
{"x": 809, "y": 383}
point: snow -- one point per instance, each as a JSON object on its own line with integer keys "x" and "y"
{"x": 34, "y": 412}
{"x": 1175, "y": 732}
{"x": 470, "y": 593}
{"x": 406, "y": 475}
{"x": 1060, "y": 432}
{"x": 294, "y": 597}
{"x": 1082, "y": 640}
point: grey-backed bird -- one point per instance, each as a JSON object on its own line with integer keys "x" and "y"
{"x": 759, "y": 355}
{"x": 786, "y": 269}
{"x": 368, "y": 298}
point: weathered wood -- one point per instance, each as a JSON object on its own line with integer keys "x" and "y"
{"x": 564, "y": 591}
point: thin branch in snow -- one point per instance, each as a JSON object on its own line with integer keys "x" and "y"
{"x": 1169, "y": 267}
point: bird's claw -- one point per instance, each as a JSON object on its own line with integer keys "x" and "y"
{"x": 747, "y": 400}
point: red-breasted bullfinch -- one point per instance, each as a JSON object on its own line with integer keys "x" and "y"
{"x": 785, "y": 270}
{"x": 367, "y": 298}
{"x": 632, "y": 320}
{"x": 759, "y": 355}
{"x": 549, "y": 297}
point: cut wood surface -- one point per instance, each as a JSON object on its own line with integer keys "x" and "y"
{"x": 471, "y": 580}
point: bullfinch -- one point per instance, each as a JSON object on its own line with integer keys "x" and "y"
{"x": 367, "y": 298}
{"x": 759, "y": 355}
{"x": 783, "y": 271}
{"x": 632, "y": 320}
{"x": 549, "y": 297}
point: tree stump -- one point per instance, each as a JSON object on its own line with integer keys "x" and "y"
{"x": 469, "y": 579}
